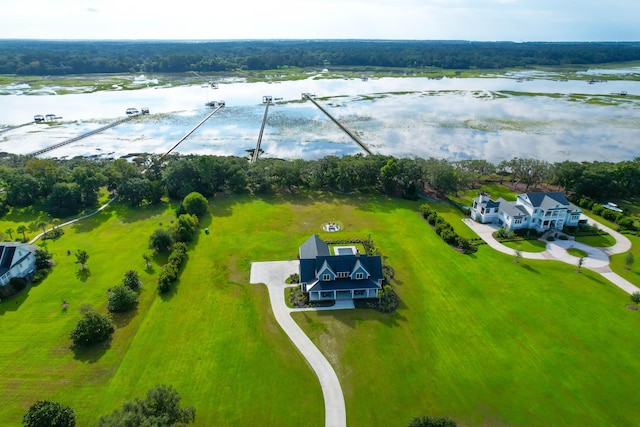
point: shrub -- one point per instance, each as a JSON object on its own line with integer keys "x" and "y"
{"x": 45, "y": 413}
{"x": 551, "y": 239}
{"x": 387, "y": 300}
{"x": 432, "y": 218}
{"x": 432, "y": 422}
{"x": 132, "y": 280}
{"x": 626, "y": 223}
{"x": 161, "y": 240}
{"x": 609, "y": 215}
{"x": 43, "y": 258}
{"x": 92, "y": 328}
{"x": 597, "y": 208}
{"x": 424, "y": 210}
{"x": 121, "y": 299}
{"x": 635, "y": 297}
{"x": 185, "y": 229}
{"x": 195, "y": 204}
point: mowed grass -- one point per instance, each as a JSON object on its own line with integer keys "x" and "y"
{"x": 214, "y": 339}
{"x": 478, "y": 338}
{"x": 481, "y": 339}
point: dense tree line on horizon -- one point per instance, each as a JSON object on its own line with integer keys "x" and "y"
{"x": 51, "y": 57}
{"x": 66, "y": 187}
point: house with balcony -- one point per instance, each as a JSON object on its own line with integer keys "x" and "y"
{"x": 540, "y": 211}
{"x": 16, "y": 260}
{"x": 346, "y": 274}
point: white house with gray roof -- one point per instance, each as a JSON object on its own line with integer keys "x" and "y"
{"x": 16, "y": 260}
{"x": 539, "y": 211}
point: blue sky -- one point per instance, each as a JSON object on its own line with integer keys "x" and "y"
{"x": 482, "y": 20}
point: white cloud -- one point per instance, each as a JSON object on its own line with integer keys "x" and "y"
{"x": 394, "y": 19}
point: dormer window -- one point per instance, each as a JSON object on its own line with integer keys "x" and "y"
{"x": 326, "y": 277}
{"x": 359, "y": 276}
{"x": 343, "y": 274}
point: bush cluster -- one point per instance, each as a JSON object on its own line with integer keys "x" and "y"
{"x": 624, "y": 221}
{"x": 171, "y": 270}
{"x": 121, "y": 298}
{"x": 446, "y": 231}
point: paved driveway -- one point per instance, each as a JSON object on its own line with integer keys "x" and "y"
{"x": 597, "y": 259}
{"x": 273, "y": 274}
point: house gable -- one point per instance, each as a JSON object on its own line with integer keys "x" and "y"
{"x": 359, "y": 272}
{"x": 326, "y": 273}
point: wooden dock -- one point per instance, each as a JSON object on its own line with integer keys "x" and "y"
{"x": 340, "y": 125}
{"x": 78, "y": 138}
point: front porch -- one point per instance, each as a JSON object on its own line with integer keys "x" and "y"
{"x": 343, "y": 294}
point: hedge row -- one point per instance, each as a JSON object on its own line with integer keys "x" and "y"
{"x": 171, "y": 270}
{"x": 446, "y": 231}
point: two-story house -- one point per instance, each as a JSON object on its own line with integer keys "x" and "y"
{"x": 539, "y": 211}
{"x": 16, "y": 260}
{"x": 345, "y": 275}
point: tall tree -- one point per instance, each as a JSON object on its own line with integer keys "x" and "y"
{"x": 161, "y": 408}
{"x": 82, "y": 256}
{"x": 45, "y": 413}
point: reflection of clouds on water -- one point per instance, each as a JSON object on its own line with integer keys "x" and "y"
{"x": 449, "y": 118}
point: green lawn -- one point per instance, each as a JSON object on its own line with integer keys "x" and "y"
{"x": 214, "y": 339}
{"x": 477, "y": 337}
{"x": 482, "y": 339}
{"x": 527, "y": 245}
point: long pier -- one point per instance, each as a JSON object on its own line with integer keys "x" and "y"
{"x": 267, "y": 101}
{"x": 191, "y": 131}
{"x": 15, "y": 127}
{"x": 340, "y": 125}
{"x": 78, "y": 138}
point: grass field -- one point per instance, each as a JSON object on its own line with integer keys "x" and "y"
{"x": 478, "y": 338}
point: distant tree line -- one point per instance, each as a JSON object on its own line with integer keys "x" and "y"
{"x": 41, "y": 57}
{"x": 66, "y": 187}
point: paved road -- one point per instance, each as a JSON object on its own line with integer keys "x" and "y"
{"x": 597, "y": 259}
{"x": 273, "y": 274}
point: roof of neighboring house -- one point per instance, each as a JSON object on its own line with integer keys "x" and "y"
{"x": 7, "y": 255}
{"x": 512, "y": 209}
{"x": 489, "y": 204}
{"x": 314, "y": 247}
{"x": 547, "y": 200}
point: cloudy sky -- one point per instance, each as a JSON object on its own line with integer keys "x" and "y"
{"x": 515, "y": 20}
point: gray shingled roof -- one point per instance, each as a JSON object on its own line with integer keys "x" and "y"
{"x": 314, "y": 247}
{"x": 512, "y": 209}
{"x": 547, "y": 200}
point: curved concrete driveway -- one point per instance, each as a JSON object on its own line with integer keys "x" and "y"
{"x": 273, "y": 274}
{"x": 597, "y": 259}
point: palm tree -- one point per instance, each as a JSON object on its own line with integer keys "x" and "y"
{"x": 82, "y": 256}
{"x": 42, "y": 225}
{"x": 22, "y": 229}
{"x": 55, "y": 222}
{"x": 9, "y": 231}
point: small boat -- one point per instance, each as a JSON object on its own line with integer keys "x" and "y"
{"x": 132, "y": 111}
{"x": 38, "y": 118}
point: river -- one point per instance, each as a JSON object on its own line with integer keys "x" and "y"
{"x": 528, "y": 114}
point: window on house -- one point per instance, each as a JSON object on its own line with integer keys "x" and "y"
{"x": 359, "y": 276}
{"x": 546, "y": 223}
{"x": 343, "y": 275}
{"x": 547, "y": 213}
{"x": 326, "y": 277}
{"x": 496, "y": 210}
{"x": 518, "y": 221}
{"x": 482, "y": 210}
{"x": 475, "y": 205}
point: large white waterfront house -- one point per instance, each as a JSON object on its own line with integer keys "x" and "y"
{"x": 538, "y": 211}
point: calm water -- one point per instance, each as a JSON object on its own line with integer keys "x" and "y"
{"x": 448, "y": 118}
